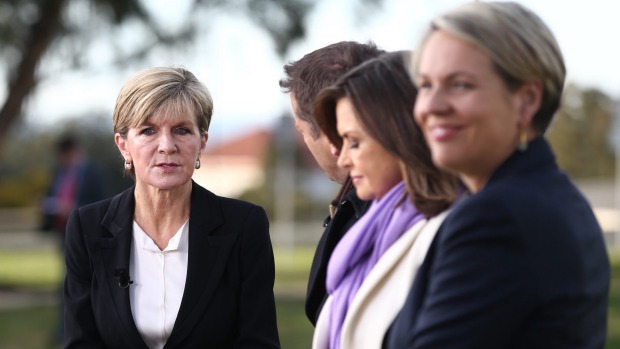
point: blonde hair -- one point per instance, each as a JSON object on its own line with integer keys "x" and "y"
{"x": 520, "y": 45}
{"x": 171, "y": 90}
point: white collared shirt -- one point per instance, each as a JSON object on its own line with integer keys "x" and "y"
{"x": 158, "y": 284}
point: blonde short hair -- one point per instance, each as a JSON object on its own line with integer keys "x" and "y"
{"x": 520, "y": 45}
{"x": 173, "y": 90}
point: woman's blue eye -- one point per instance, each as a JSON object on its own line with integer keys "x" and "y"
{"x": 148, "y": 131}
{"x": 462, "y": 85}
{"x": 182, "y": 131}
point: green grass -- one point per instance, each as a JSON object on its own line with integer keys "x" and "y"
{"x": 613, "y": 324}
{"x": 292, "y": 268}
{"x": 28, "y": 269}
{"x": 42, "y": 269}
{"x": 31, "y": 328}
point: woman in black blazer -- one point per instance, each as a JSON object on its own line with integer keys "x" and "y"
{"x": 166, "y": 263}
{"x": 520, "y": 262}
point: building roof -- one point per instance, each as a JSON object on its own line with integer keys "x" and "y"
{"x": 254, "y": 144}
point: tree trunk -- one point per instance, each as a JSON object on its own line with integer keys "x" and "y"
{"x": 23, "y": 81}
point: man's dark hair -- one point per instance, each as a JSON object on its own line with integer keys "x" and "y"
{"x": 306, "y": 77}
{"x": 66, "y": 143}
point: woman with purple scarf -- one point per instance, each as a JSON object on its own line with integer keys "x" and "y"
{"x": 367, "y": 114}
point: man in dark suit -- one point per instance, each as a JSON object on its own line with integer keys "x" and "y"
{"x": 304, "y": 80}
{"x": 75, "y": 183}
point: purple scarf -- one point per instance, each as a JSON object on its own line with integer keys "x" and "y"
{"x": 360, "y": 249}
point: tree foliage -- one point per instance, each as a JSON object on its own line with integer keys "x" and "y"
{"x": 580, "y": 133}
{"x": 31, "y": 30}
{"x": 37, "y": 34}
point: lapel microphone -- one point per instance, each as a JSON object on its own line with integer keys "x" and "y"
{"x": 122, "y": 277}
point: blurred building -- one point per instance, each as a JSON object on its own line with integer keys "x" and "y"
{"x": 236, "y": 165}
{"x": 272, "y": 167}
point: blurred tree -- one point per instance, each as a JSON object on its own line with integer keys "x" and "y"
{"x": 580, "y": 133}
{"x": 31, "y": 30}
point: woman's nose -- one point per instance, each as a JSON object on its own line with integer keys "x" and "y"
{"x": 343, "y": 159}
{"x": 432, "y": 101}
{"x": 167, "y": 143}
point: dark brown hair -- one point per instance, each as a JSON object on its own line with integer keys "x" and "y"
{"x": 318, "y": 69}
{"x": 383, "y": 95}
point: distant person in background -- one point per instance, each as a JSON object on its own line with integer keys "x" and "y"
{"x": 167, "y": 263}
{"x": 76, "y": 182}
{"x": 520, "y": 262}
{"x": 304, "y": 79}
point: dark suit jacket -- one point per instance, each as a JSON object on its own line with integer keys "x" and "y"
{"x": 228, "y": 300}
{"x": 91, "y": 187}
{"x": 520, "y": 264}
{"x": 349, "y": 211}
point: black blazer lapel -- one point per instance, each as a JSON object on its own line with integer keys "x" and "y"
{"x": 115, "y": 254}
{"x": 207, "y": 259}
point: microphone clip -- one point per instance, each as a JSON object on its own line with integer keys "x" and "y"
{"x": 122, "y": 277}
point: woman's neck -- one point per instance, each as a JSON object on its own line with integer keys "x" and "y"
{"x": 160, "y": 213}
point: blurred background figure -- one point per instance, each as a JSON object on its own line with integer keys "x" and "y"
{"x": 76, "y": 182}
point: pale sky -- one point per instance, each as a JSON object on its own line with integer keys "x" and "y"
{"x": 241, "y": 69}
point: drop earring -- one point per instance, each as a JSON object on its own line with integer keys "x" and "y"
{"x": 522, "y": 141}
{"x": 127, "y": 165}
{"x": 197, "y": 164}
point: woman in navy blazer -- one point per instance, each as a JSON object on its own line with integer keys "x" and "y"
{"x": 166, "y": 263}
{"x": 520, "y": 262}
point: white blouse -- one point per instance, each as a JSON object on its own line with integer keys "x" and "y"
{"x": 158, "y": 284}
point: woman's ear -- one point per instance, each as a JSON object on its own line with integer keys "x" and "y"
{"x": 203, "y": 141}
{"x": 530, "y": 99}
{"x": 121, "y": 144}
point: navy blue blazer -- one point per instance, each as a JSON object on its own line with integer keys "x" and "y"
{"x": 228, "y": 300}
{"x": 520, "y": 264}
